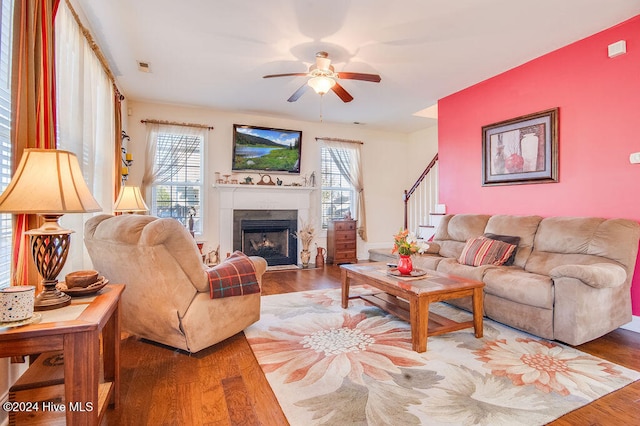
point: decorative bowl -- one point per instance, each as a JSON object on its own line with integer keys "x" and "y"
{"x": 81, "y": 278}
{"x": 16, "y": 303}
{"x": 86, "y": 291}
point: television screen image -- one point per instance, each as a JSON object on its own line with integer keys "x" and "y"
{"x": 266, "y": 149}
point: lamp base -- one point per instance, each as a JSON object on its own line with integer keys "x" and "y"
{"x": 51, "y": 298}
{"x": 49, "y": 248}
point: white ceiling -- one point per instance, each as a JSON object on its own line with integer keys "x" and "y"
{"x": 213, "y": 53}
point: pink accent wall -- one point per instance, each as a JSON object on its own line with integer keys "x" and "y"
{"x": 599, "y": 126}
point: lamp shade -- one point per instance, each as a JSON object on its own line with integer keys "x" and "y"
{"x": 130, "y": 200}
{"x": 48, "y": 181}
{"x": 321, "y": 84}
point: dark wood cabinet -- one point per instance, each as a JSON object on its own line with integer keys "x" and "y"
{"x": 341, "y": 241}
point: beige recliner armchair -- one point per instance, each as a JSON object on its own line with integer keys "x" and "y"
{"x": 167, "y": 289}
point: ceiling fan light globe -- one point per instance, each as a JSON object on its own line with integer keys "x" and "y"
{"x": 321, "y": 85}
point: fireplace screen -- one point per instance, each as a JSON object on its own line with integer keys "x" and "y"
{"x": 271, "y": 239}
{"x": 265, "y": 244}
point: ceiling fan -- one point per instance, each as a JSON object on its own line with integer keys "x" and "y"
{"x": 322, "y": 78}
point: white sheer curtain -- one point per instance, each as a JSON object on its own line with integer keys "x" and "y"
{"x": 156, "y": 171}
{"x": 85, "y": 101}
{"x": 346, "y": 155}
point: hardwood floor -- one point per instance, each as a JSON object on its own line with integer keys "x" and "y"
{"x": 223, "y": 385}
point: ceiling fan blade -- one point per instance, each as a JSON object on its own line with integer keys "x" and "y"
{"x": 375, "y": 78}
{"x": 285, "y": 75}
{"x": 342, "y": 94}
{"x": 298, "y": 93}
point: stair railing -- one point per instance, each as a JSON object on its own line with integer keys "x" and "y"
{"x": 425, "y": 197}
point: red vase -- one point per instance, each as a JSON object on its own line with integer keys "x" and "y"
{"x": 405, "y": 266}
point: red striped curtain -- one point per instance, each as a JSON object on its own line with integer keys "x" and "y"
{"x": 33, "y": 106}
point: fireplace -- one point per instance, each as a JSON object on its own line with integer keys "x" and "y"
{"x": 232, "y": 198}
{"x": 267, "y": 233}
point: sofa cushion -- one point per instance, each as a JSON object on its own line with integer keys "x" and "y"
{"x": 566, "y": 234}
{"x": 524, "y": 227}
{"x": 427, "y": 261}
{"x": 510, "y": 239}
{"x": 582, "y": 240}
{"x": 486, "y": 251}
{"x": 517, "y": 285}
{"x": 175, "y": 238}
{"x": 453, "y": 267}
{"x": 454, "y": 230}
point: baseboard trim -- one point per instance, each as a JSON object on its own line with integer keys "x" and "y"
{"x": 634, "y": 325}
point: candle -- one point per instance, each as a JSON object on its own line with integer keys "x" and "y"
{"x": 129, "y": 156}
{"x": 125, "y": 171}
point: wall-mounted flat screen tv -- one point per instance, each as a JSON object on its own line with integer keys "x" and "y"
{"x": 263, "y": 149}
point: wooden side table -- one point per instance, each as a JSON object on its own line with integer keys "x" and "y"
{"x": 76, "y": 330}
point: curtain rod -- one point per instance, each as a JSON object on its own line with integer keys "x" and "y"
{"x": 175, "y": 123}
{"x": 340, "y": 140}
{"x": 96, "y": 49}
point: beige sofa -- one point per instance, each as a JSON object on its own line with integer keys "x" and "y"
{"x": 570, "y": 280}
{"x": 167, "y": 289}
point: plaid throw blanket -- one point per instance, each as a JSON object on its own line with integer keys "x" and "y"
{"x": 236, "y": 276}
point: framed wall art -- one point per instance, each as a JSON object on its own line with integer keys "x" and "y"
{"x": 521, "y": 150}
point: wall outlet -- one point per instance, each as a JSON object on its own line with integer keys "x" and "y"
{"x": 634, "y": 158}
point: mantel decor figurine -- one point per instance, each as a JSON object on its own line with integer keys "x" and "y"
{"x": 265, "y": 180}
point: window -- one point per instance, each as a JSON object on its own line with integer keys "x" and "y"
{"x": 177, "y": 191}
{"x": 337, "y": 192}
{"x": 6, "y": 14}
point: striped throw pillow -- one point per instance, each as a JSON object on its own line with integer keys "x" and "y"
{"x": 485, "y": 251}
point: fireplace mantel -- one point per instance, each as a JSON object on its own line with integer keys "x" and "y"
{"x": 235, "y": 187}
{"x": 258, "y": 197}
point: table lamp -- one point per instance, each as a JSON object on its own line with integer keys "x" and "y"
{"x": 48, "y": 182}
{"x": 130, "y": 200}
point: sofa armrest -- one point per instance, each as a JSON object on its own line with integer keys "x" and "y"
{"x": 598, "y": 275}
{"x": 260, "y": 264}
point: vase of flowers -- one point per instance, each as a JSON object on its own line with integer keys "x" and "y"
{"x": 305, "y": 234}
{"x": 405, "y": 265}
{"x": 406, "y": 244}
{"x": 305, "y": 256}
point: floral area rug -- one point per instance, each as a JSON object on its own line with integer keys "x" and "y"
{"x": 334, "y": 366}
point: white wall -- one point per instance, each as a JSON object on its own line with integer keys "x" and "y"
{"x": 391, "y": 161}
{"x": 423, "y": 145}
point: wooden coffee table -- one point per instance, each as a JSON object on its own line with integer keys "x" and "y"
{"x": 409, "y": 299}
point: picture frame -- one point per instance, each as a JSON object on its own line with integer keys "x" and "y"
{"x": 522, "y": 150}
